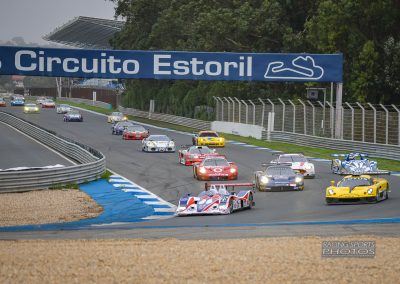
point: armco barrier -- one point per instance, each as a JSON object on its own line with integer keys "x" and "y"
{"x": 179, "y": 120}
{"x": 86, "y": 102}
{"x": 91, "y": 163}
{"x": 375, "y": 150}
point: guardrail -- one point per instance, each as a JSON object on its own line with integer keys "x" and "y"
{"x": 179, "y": 120}
{"x": 86, "y": 102}
{"x": 377, "y": 150}
{"x": 91, "y": 163}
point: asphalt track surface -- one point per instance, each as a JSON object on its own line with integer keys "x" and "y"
{"x": 18, "y": 150}
{"x": 163, "y": 175}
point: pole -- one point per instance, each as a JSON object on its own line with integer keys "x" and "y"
{"x": 352, "y": 120}
{"x": 294, "y": 116}
{"x": 233, "y": 109}
{"x": 398, "y": 124}
{"x": 313, "y": 117}
{"x": 304, "y": 116}
{"x": 338, "y": 125}
{"x": 254, "y": 112}
{"x": 374, "y": 109}
{"x": 247, "y": 111}
{"x": 240, "y": 109}
{"x": 362, "y": 121}
{"x": 386, "y": 124}
{"x": 263, "y": 111}
{"x": 229, "y": 106}
{"x": 283, "y": 113}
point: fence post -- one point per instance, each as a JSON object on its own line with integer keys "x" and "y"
{"x": 229, "y": 107}
{"x": 216, "y": 107}
{"x": 233, "y": 108}
{"x": 294, "y": 116}
{"x": 240, "y": 109}
{"x": 386, "y": 124}
{"x": 304, "y": 116}
{"x": 330, "y": 117}
{"x": 362, "y": 121}
{"x": 263, "y": 111}
{"x": 398, "y": 124}
{"x": 254, "y": 112}
{"x": 247, "y": 111}
{"x": 313, "y": 117}
{"x": 352, "y": 120}
{"x": 323, "y": 119}
{"x": 222, "y": 108}
{"x": 339, "y": 120}
{"x": 374, "y": 109}
{"x": 283, "y": 114}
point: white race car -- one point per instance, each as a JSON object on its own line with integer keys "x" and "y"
{"x": 116, "y": 117}
{"x": 298, "y": 163}
{"x": 158, "y": 143}
{"x": 63, "y": 108}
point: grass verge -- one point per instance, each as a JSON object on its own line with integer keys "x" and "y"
{"x": 324, "y": 153}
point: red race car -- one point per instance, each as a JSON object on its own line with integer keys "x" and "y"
{"x": 215, "y": 168}
{"x": 188, "y": 155}
{"x": 135, "y": 132}
{"x": 48, "y": 104}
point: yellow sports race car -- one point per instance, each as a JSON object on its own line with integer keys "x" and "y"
{"x": 116, "y": 117}
{"x": 357, "y": 188}
{"x": 31, "y": 108}
{"x": 208, "y": 138}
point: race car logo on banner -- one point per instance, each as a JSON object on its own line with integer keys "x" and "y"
{"x": 175, "y": 65}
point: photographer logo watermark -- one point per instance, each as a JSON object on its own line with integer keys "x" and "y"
{"x": 348, "y": 248}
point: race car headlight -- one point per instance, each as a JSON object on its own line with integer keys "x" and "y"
{"x": 125, "y": 118}
{"x": 264, "y": 179}
{"x": 171, "y": 144}
{"x": 370, "y": 190}
{"x": 233, "y": 170}
{"x": 298, "y": 179}
{"x": 36, "y": 108}
{"x": 25, "y": 108}
{"x": 151, "y": 144}
{"x": 331, "y": 192}
{"x": 309, "y": 166}
{"x": 202, "y": 170}
{"x": 221, "y": 139}
{"x": 195, "y": 156}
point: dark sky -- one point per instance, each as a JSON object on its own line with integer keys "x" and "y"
{"x": 32, "y": 19}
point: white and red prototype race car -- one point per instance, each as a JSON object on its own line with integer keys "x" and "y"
{"x": 216, "y": 199}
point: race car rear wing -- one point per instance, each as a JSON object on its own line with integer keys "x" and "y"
{"x": 275, "y": 164}
{"x": 219, "y": 186}
{"x": 287, "y": 153}
{"x": 345, "y": 155}
{"x": 378, "y": 172}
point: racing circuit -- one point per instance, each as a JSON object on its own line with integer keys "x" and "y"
{"x": 161, "y": 174}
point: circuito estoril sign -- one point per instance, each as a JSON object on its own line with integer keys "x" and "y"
{"x": 176, "y": 65}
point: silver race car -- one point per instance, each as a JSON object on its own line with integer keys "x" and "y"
{"x": 158, "y": 143}
{"x": 63, "y": 108}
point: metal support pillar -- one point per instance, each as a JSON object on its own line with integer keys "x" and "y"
{"x": 216, "y": 107}
{"x": 233, "y": 108}
{"x": 222, "y": 108}
{"x": 331, "y": 108}
{"x": 339, "y": 125}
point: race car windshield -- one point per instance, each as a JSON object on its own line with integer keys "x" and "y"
{"x": 64, "y": 106}
{"x": 116, "y": 114}
{"x": 216, "y": 163}
{"x": 208, "y": 134}
{"x": 292, "y": 159}
{"x": 158, "y": 138}
{"x": 279, "y": 171}
{"x": 124, "y": 124}
{"x": 353, "y": 182}
{"x": 73, "y": 112}
{"x": 31, "y": 105}
{"x": 200, "y": 151}
{"x": 136, "y": 128}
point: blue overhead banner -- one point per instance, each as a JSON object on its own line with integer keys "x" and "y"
{"x": 171, "y": 65}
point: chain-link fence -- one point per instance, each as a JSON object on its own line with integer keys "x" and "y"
{"x": 361, "y": 122}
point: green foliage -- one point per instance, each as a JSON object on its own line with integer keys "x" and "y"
{"x": 106, "y": 175}
{"x": 366, "y": 32}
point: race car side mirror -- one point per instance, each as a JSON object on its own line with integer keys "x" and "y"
{"x": 332, "y": 183}
{"x": 375, "y": 181}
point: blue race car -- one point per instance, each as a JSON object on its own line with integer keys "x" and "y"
{"x": 119, "y": 127}
{"x": 278, "y": 177}
{"x": 355, "y": 163}
{"x": 17, "y": 102}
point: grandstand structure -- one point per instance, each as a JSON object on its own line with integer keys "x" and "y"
{"x": 86, "y": 32}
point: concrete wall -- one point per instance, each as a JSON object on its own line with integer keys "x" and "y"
{"x": 241, "y": 129}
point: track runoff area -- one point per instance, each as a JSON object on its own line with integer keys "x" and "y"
{"x": 161, "y": 174}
